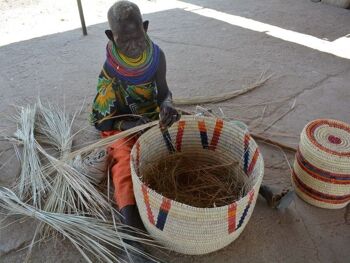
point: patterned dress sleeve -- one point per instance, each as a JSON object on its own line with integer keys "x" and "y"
{"x": 104, "y": 104}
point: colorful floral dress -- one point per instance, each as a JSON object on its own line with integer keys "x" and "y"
{"x": 126, "y": 86}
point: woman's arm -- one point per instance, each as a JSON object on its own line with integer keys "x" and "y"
{"x": 168, "y": 113}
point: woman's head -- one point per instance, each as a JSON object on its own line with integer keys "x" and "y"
{"x": 127, "y": 29}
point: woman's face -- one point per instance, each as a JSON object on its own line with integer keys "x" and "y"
{"x": 130, "y": 39}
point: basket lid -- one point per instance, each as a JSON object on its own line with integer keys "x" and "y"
{"x": 331, "y": 137}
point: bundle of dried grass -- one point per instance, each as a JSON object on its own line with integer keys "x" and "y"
{"x": 71, "y": 190}
{"x": 32, "y": 182}
{"x": 66, "y": 200}
{"x": 53, "y": 126}
{"x": 196, "y": 179}
{"x": 94, "y": 238}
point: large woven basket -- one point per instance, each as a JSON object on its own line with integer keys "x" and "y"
{"x": 321, "y": 173}
{"x": 183, "y": 228}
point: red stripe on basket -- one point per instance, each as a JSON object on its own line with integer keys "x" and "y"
{"x": 201, "y": 126}
{"x": 163, "y": 213}
{"x": 319, "y": 174}
{"x": 246, "y": 140}
{"x": 166, "y": 204}
{"x": 331, "y": 199}
{"x": 253, "y": 162}
{"x": 231, "y": 217}
{"x": 251, "y": 196}
{"x": 216, "y": 135}
{"x": 148, "y": 206}
{"x": 180, "y": 133}
{"x": 310, "y": 131}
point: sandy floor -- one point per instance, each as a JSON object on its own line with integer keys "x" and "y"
{"x": 42, "y": 51}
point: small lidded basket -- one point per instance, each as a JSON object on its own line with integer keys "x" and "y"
{"x": 187, "y": 229}
{"x": 321, "y": 173}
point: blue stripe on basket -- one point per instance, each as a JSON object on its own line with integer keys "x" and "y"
{"x": 162, "y": 216}
{"x": 241, "y": 220}
{"x": 246, "y": 160}
{"x": 204, "y": 139}
{"x": 246, "y": 153}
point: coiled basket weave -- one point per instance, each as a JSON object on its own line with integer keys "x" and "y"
{"x": 321, "y": 174}
{"x": 183, "y": 228}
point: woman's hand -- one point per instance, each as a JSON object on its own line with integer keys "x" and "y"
{"x": 168, "y": 114}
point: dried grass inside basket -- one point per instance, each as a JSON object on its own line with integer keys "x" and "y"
{"x": 196, "y": 179}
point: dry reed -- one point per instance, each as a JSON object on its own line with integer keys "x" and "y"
{"x": 195, "y": 179}
{"x": 109, "y": 140}
{"x": 66, "y": 201}
{"x": 32, "y": 183}
{"x": 93, "y": 238}
{"x": 223, "y": 97}
{"x": 71, "y": 190}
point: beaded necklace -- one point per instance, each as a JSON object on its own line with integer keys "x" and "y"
{"x": 133, "y": 70}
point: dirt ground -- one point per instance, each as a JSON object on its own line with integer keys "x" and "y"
{"x": 205, "y": 56}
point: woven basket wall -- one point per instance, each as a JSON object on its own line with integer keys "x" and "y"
{"x": 321, "y": 174}
{"x": 183, "y": 228}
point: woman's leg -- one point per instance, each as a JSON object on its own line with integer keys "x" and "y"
{"x": 119, "y": 152}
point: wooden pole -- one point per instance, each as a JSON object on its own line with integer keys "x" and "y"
{"x": 82, "y": 19}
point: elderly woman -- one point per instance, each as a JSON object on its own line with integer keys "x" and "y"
{"x": 131, "y": 90}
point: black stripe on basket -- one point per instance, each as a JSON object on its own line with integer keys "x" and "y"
{"x": 168, "y": 141}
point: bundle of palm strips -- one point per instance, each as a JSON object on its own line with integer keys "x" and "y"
{"x": 53, "y": 188}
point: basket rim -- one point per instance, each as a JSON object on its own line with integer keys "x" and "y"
{"x": 256, "y": 185}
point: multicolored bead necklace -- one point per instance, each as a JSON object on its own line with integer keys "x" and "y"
{"x": 133, "y": 71}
